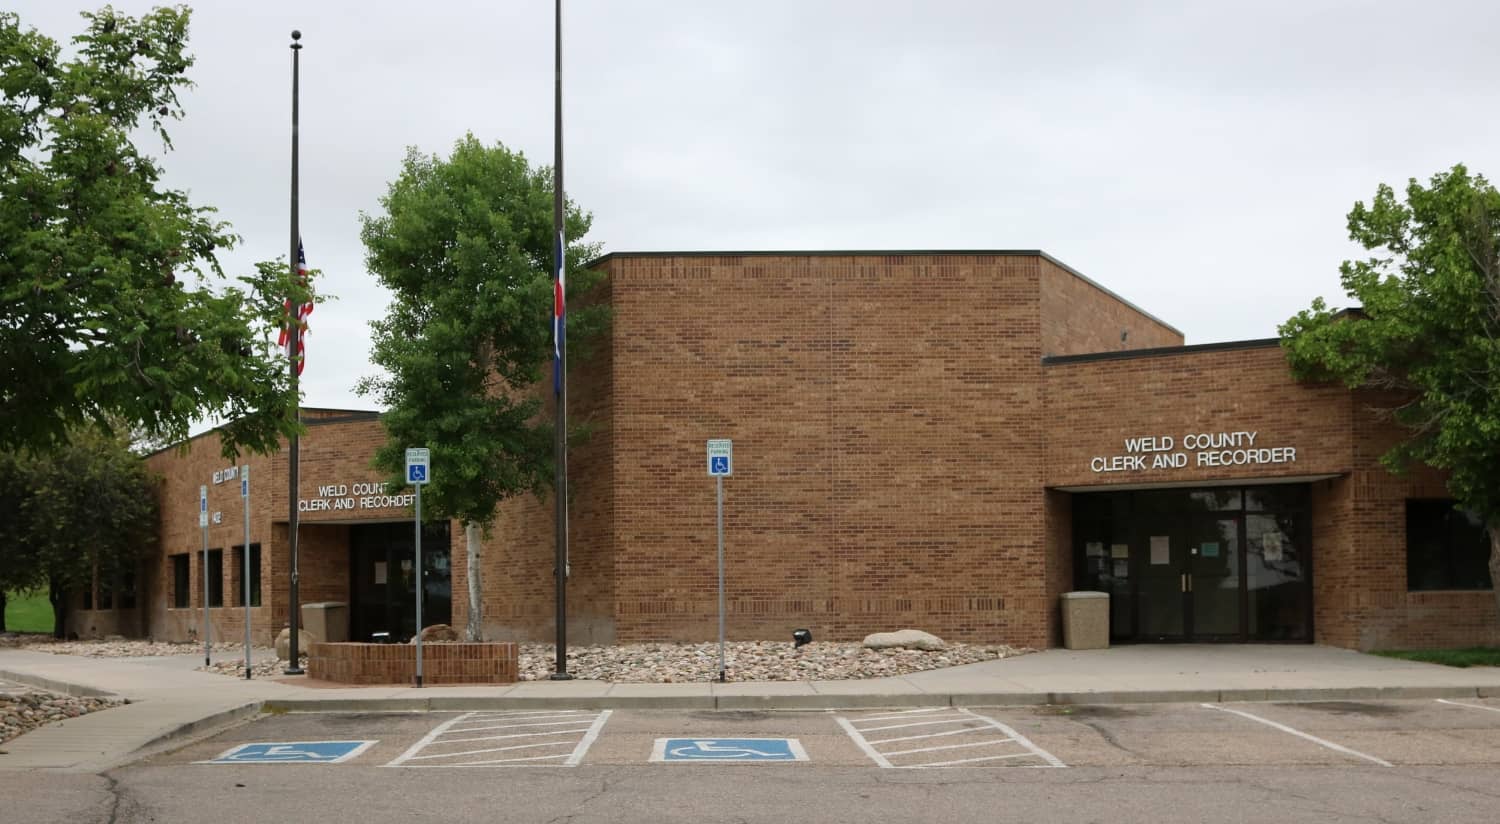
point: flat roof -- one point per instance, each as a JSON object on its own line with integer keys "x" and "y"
{"x": 1161, "y": 351}
{"x": 888, "y": 253}
{"x": 344, "y": 415}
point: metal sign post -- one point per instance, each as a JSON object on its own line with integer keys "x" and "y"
{"x": 245, "y": 570}
{"x": 418, "y": 465}
{"x": 203, "y": 524}
{"x": 721, "y": 465}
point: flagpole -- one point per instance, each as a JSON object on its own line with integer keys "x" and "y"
{"x": 294, "y": 663}
{"x": 560, "y": 365}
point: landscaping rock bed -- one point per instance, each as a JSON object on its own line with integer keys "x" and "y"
{"x": 748, "y": 661}
{"x": 24, "y": 709}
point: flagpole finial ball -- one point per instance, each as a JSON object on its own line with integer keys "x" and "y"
{"x": 296, "y": 35}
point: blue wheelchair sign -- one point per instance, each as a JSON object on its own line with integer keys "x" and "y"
{"x": 292, "y": 752}
{"x": 416, "y": 474}
{"x": 736, "y": 750}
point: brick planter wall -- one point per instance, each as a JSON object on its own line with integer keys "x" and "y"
{"x": 347, "y": 663}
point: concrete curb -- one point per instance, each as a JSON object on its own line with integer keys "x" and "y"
{"x": 178, "y": 734}
{"x": 61, "y": 687}
{"x": 862, "y": 701}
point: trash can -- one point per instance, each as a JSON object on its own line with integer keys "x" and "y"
{"x": 1085, "y": 620}
{"x": 326, "y": 621}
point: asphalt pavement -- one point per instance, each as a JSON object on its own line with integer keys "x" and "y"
{"x": 1286, "y": 761}
{"x": 171, "y": 702}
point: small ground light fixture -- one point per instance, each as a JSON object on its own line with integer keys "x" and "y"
{"x": 801, "y": 636}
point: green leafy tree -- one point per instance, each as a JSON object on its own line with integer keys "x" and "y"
{"x": 18, "y": 568}
{"x": 114, "y": 310}
{"x": 465, "y": 245}
{"x": 84, "y": 510}
{"x": 1428, "y": 331}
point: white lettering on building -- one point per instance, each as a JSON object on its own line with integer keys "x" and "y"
{"x": 348, "y": 497}
{"x": 1207, "y": 448}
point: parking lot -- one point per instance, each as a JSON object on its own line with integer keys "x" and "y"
{"x": 1383, "y": 734}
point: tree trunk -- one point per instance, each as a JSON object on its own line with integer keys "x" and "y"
{"x": 2, "y": 610}
{"x": 474, "y": 630}
{"x": 1494, "y": 531}
{"x": 59, "y": 600}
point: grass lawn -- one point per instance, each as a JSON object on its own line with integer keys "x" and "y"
{"x": 1465, "y": 657}
{"x": 27, "y": 612}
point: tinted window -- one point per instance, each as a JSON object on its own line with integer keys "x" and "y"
{"x": 1446, "y": 548}
{"x": 216, "y": 577}
{"x": 181, "y": 589}
{"x": 239, "y": 565}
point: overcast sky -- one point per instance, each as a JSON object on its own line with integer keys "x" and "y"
{"x": 1195, "y": 159}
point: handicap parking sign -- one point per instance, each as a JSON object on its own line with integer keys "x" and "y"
{"x": 292, "y": 752}
{"x": 734, "y": 750}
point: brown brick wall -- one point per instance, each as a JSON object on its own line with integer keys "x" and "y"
{"x": 336, "y": 449}
{"x": 519, "y": 554}
{"x": 867, "y": 397}
{"x": 1093, "y": 406}
{"x": 397, "y": 663}
{"x": 182, "y": 471}
{"x": 1365, "y": 601}
{"x": 899, "y": 445}
{"x": 1080, "y": 317}
{"x": 1059, "y": 556}
{"x": 1359, "y": 541}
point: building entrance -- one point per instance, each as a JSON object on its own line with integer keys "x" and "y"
{"x": 1214, "y": 564}
{"x": 383, "y": 581}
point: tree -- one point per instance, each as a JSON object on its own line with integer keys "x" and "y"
{"x": 18, "y": 569}
{"x": 98, "y": 326}
{"x": 1428, "y": 331}
{"x": 83, "y": 511}
{"x": 465, "y": 245}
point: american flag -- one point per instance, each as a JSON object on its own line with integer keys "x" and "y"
{"x": 296, "y": 349}
{"x": 559, "y": 319}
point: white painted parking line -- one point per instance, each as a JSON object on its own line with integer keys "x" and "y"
{"x": 863, "y": 743}
{"x": 927, "y": 735}
{"x": 1300, "y": 734}
{"x": 904, "y": 714}
{"x": 954, "y": 720}
{"x": 588, "y": 740}
{"x": 1470, "y": 706}
{"x": 991, "y": 733}
{"x": 459, "y": 730}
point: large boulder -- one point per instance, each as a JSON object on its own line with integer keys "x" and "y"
{"x": 904, "y": 639}
{"x": 438, "y": 632}
{"x": 284, "y": 643}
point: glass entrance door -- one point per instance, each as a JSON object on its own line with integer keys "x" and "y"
{"x": 1188, "y": 577}
{"x": 1212, "y": 578}
{"x": 1221, "y": 563}
{"x": 383, "y": 587}
{"x": 1160, "y": 561}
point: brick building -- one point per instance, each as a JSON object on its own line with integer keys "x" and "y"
{"x": 945, "y": 440}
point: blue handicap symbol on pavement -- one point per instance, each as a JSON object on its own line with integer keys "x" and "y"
{"x": 416, "y": 473}
{"x": 720, "y": 465}
{"x": 292, "y": 752}
{"x": 729, "y": 749}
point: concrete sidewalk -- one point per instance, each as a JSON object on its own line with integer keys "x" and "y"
{"x": 171, "y": 701}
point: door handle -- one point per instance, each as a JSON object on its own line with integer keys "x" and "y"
{"x": 1189, "y": 578}
{"x": 1182, "y": 582}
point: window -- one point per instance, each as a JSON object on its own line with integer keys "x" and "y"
{"x": 216, "y": 577}
{"x": 126, "y": 588}
{"x": 181, "y": 586}
{"x": 239, "y": 566}
{"x": 1446, "y": 548}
